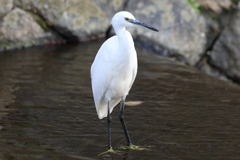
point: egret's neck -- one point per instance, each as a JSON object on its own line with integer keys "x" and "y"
{"x": 125, "y": 38}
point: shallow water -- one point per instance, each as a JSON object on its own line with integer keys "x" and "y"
{"x": 48, "y": 111}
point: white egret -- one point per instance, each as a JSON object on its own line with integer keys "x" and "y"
{"x": 114, "y": 70}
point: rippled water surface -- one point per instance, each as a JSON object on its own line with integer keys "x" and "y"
{"x": 47, "y": 110}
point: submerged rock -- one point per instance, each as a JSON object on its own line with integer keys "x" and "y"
{"x": 182, "y": 30}
{"x": 18, "y": 29}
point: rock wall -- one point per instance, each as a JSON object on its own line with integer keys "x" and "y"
{"x": 18, "y": 29}
{"x": 75, "y": 20}
{"x": 222, "y": 58}
{"x": 225, "y": 55}
{"x": 182, "y": 30}
{"x": 194, "y": 38}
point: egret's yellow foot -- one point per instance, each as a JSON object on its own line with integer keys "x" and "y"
{"x": 110, "y": 151}
{"x": 134, "y": 147}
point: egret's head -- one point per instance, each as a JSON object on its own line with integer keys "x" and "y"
{"x": 126, "y": 19}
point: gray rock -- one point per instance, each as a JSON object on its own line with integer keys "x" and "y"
{"x": 208, "y": 69}
{"x": 25, "y": 5}
{"x": 182, "y": 30}
{"x": 18, "y": 29}
{"x": 226, "y": 51}
{"x": 5, "y": 6}
{"x": 79, "y": 18}
{"x": 215, "y": 5}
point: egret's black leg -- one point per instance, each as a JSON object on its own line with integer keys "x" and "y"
{"x": 121, "y": 117}
{"x": 109, "y": 127}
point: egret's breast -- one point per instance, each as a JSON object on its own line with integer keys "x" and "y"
{"x": 120, "y": 84}
{"x": 122, "y": 62}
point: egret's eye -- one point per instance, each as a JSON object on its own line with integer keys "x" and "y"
{"x": 127, "y": 19}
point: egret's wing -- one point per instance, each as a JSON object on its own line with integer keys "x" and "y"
{"x": 134, "y": 74}
{"x": 100, "y": 74}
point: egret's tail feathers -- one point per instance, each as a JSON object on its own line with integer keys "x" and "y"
{"x": 102, "y": 107}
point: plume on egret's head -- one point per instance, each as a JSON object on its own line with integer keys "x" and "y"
{"x": 126, "y": 19}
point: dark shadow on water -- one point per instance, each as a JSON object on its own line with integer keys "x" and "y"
{"x": 46, "y": 92}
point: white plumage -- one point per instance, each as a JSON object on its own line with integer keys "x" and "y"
{"x": 115, "y": 67}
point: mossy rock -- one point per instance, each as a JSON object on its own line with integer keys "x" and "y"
{"x": 19, "y": 29}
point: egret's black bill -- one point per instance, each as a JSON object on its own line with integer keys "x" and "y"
{"x": 134, "y": 21}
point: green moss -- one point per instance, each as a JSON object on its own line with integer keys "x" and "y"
{"x": 4, "y": 43}
{"x": 194, "y": 4}
{"x": 42, "y": 23}
{"x": 235, "y": 2}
